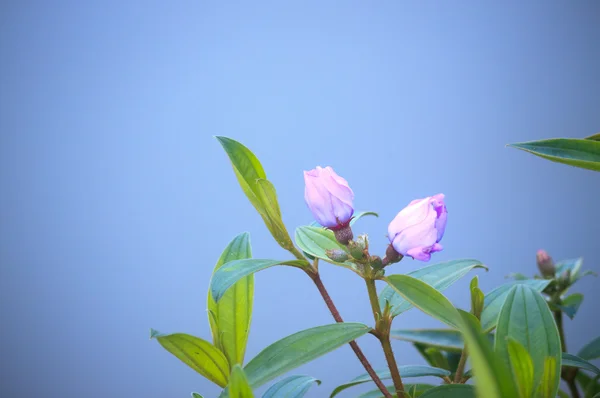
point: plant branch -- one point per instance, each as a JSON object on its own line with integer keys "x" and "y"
{"x": 336, "y": 315}
{"x": 382, "y": 327}
{"x": 461, "y": 366}
{"x": 569, "y": 374}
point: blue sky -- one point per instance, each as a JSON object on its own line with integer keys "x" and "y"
{"x": 117, "y": 200}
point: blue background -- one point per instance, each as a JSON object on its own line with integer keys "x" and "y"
{"x": 116, "y": 200}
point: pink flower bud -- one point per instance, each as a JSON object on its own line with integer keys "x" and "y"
{"x": 418, "y": 229}
{"x": 328, "y": 197}
{"x": 545, "y": 264}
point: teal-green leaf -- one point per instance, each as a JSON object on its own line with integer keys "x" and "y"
{"x": 230, "y": 318}
{"x": 405, "y": 372}
{"x": 570, "y": 304}
{"x": 238, "y": 384}
{"x": 300, "y": 348}
{"x": 591, "y": 350}
{"x": 526, "y": 318}
{"x": 577, "y": 362}
{"x": 493, "y": 377}
{"x": 198, "y": 354}
{"x": 231, "y": 272}
{"x": 522, "y": 367}
{"x": 196, "y": 395}
{"x": 590, "y": 386}
{"x": 361, "y": 214}
{"x": 576, "y": 152}
{"x": 573, "y": 265}
{"x": 415, "y": 390}
{"x": 451, "y": 391}
{"x": 495, "y": 299}
{"x": 440, "y": 276}
{"x": 446, "y": 339}
{"x": 426, "y": 298}
{"x": 315, "y": 241}
{"x": 291, "y": 387}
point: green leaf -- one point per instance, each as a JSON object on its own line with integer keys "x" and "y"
{"x": 451, "y": 391}
{"x": 439, "y": 276}
{"x": 570, "y": 304}
{"x": 526, "y": 318}
{"x": 258, "y": 189}
{"x": 291, "y": 387}
{"x": 316, "y": 241}
{"x": 577, "y": 362}
{"x": 591, "y": 350}
{"x": 361, "y": 214}
{"x": 573, "y": 265}
{"x": 522, "y": 367}
{"x": 426, "y": 298}
{"x": 446, "y": 339}
{"x": 196, "y": 395}
{"x": 238, "y": 384}
{"x": 590, "y": 386}
{"x": 572, "y": 151}
{"x": 300, "y": 348}
{"x": 405, "y": 372}
{"x": 595, "y": 137}
{"x": 493, "y": 377}
{"x": 230, "y": 318}
{"x": 231, "y": 272}
{"x": 548, "y": 387}
{"x": 436, "y": 358}
{"x": 415, "y": 390}
{"x": 495, "y": 299}
{"x": 477, "y": 298}
{"x": 198, "y": 354}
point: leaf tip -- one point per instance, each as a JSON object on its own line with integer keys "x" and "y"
{"x": 154, "y": 333}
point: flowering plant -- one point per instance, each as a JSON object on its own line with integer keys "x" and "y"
{"x": 512, "y": 336}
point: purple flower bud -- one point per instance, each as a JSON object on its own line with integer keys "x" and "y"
{"x": 328, "y": 197}
{"x": 418, "y": 229}
{"x": 545, "y": 264}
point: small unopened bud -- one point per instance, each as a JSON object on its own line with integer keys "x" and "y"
{"x": 391, "y": 256}
{"x": 545, "y": 264}
{"x": 362, "y": 241}
{"x": 344, "y": 235}
{"x": 565, "y": 279}
{"x": 356, "y": 250}
{"x": 376, "y": 262}
{"x": 337, "y": 255}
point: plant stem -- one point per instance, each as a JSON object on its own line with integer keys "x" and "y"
{"x": 568, "y": 375}
{"x": 383, "y": 334}
{"x": 461, "y": 366}
{"x": 336, "y": 315}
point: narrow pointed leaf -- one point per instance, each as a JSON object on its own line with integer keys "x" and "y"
{"x": 315, "y": 241}
{"x": 426, "y": 298}
{"x": 446, "y": 339}
{"x": 261, "y": 193}
{"x": 526, "y": 318}
{"x": 590, "y": 386}
{"x": 361, "y": 214}
{"x": 570, "y": 304}
{"x": 196, "y": 395}
{"x": 415, "y": 390}
{"x": 451, "y": 391}
{"x": 495, "y": 299}
{"x": 198, "y": 354}
{"x": 238, "y": 384}
{"x": 439, "y": 276}
{"x": 300, "y": 348}
{"x": 493, "y": 377}
{"x": 548, "y": 386}
{"x": 577, "y": 362}
{"x": 572, "y": 151}
{"x": 522, "y": 367}
{"x": 573, "y": 265}
{"x": 228, "y": 274}
{"x": 291, "y": 387}
{"x": 405, "y": 372}
{"x": 230, "y": 318}
{"x": 591, "y": 350}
